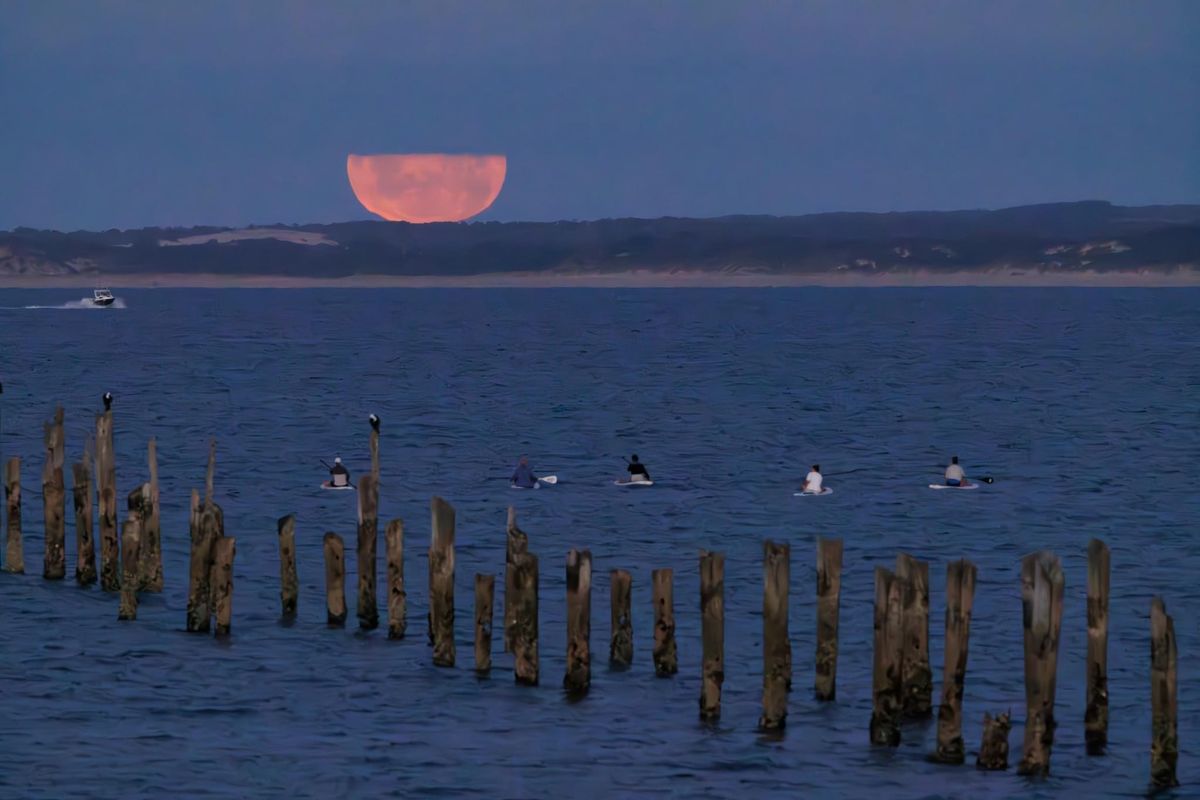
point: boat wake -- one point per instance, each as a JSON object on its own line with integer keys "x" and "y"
{"x": 84, "y": 303}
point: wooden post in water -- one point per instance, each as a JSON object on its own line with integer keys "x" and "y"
{"x": 522, "y": 583}
{"x": 137, "y": 505}
{"x": 54, "y": 501}
{"x": 225, "y": 550}
{"x": 209, "y": 526}
{"x": 397, "y": 598}
{"x": 335, "y": 578}
{"x": 485, "y": 588}
{"x": 666, "y": 657}
{"x": 212, "y": 515}
{"x": 85, "y": 547}
{"x": 993, "y": 752}
{"x": 374, "y": 420}
{"x": 14, "y": 552}
{"x": 1095, "y": 716}
{"x": 152, "y": 568}
{"x": 1041, "y": 601}
{"x": 620, "y": 648}
{"x": 1164, "y": 706}
{"x": 916, "y": 674}
{"x": 712, "y": 633}
{"x": 289, "y": 581}
{"x": 516, "y": 542}
{"x": 578, "y": 676}
{"x": 368, "y": 536}
{"x": 829, "y": 589}
{"x": 131, "y": 538}
{"x": 960, "y": 598}
{"x": 198, "y": 572}
{"x": 776, "y": 649}
{"x": 106, "y": 482}
{"x": 887, "y": 673}
{"x": 441, "y": 582}
{"x": 210, "y": 471}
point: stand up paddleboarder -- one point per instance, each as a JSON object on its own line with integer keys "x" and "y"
{"x": 338, "y": 475}
{"x": 637, "y": 470}
{"x": 954, "y": 474}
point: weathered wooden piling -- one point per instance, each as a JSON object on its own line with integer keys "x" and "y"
{"x": 335, "y": 579}
{"x": 887, "y": 673}
{"x": 210, "y": 471}
{"x": 198, "y": 571}
{"x": 208, "y": 527}
{"x": 14, "y": 551}
{"x": 1041, "y": 601}
{"x": 993, "y": 751}
{"x": 829, "y": 589}
{"x": 1095, "y": 716}
{"x": 776, "y": 649}
{"x": 218, "y": 527}
{"x": 85, "y": 546}
{"x": 152, "y": 566}
{"x": 960, "y": 598}
{"x": 131, "y": 538}
{"x": 289, "y": 581}
{"x": 368, "y": 537}
{"x": 54, "y": 501}
{"x": 662, "y": 588}
{"x": 397, "y": 598}
{"x": 916, "y": 674}
{"x": 712, "y": 633}
{"x": 578, "y": 675}
{"x": 485, "y": 588}
{"x": 224, "y": 551}
{"x": 1164, "y": 707}
{"x": 620, "y": 648}
{"x": 522, "y": 584}
{"x": 441, "y": 582}
{"x": 106, "y": 483}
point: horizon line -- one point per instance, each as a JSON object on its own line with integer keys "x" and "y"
{"x": 581, "y": 221}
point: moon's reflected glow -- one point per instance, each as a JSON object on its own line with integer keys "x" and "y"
{"x": 426, "y": 187}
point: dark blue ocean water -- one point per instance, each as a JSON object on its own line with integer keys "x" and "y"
{"x": 1081, "y": 403}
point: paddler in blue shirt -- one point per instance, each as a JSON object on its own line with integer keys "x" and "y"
{"x": 523, "y": 476}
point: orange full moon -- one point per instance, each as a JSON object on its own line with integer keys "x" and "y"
{"x": 426, "y": 187}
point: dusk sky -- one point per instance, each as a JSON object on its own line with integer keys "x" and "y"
{"x": 128, "y": 114}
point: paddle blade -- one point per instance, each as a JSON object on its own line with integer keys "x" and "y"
{"x": 550, "y": 479}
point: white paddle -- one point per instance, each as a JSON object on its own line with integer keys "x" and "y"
{"x": 550, "y": 479}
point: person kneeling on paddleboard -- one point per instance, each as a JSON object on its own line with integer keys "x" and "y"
{"x": 954, "y": 474}
{"x": 637, "y": 470}
{"x": 523, "y": 475}
{"x": 338, "y": 475}
{"x": 812, "y": 481}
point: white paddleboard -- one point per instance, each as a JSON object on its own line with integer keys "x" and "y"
{"x": 332, "y": 488}
{"x": 634, "y": 483}
{"x": 944, "y": 486}
{"x": 514, "y": 486}
{"x": 824, "y": 491}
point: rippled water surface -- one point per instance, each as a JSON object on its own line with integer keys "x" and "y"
{"x": 1081, "y": 403}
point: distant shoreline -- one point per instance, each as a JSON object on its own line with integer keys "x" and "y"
{"x": 632, "y": 279}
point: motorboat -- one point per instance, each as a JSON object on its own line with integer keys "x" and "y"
{"x": 103, "y": 297}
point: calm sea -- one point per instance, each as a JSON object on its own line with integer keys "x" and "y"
{"x": 1082, "y": 404}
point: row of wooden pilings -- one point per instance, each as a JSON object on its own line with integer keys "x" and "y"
{"x": 902, "y": 682}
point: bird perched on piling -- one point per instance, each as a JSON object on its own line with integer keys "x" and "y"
{"x": 374, "y": 422}
{"x": 107, "y": 401}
